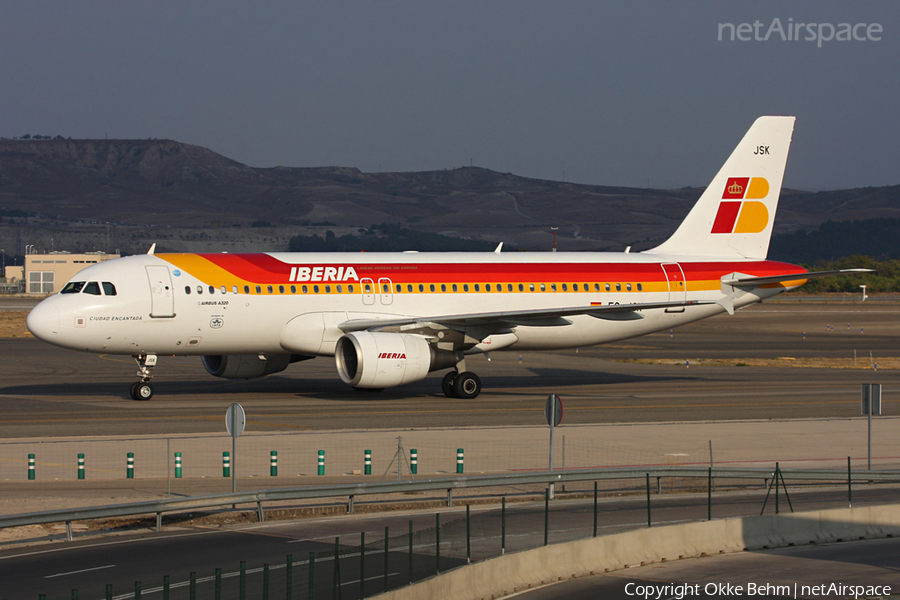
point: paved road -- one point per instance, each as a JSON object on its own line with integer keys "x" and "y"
{"x": 90, "y": 563}
{"x": 47, "y": 391}
{"x": 870, "y": 563}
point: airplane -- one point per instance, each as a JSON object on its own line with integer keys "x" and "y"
{"x": 388, "y": 319}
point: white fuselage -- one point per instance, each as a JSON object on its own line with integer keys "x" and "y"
{"x": 200, "y": 313}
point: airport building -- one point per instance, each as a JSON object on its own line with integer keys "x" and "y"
{"x": 13, "y": 280}
{"x": 47, "y": 273}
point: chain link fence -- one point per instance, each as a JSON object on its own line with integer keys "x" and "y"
{"x": 371, "y": 562}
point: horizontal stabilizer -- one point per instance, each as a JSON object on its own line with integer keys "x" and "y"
{"x": 758, "y": 281}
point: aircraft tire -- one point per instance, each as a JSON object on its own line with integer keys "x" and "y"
{"x": 467, "y": 385}
{"x": 447, "y": 384}
{"x": 133, "y": 390}
{"x": 143, "y": 391}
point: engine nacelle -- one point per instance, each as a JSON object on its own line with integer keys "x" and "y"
{"x": 245, "y": 366}
{"x": 379, "y": 360}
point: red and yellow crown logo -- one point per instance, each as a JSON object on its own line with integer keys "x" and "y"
{"x": 737, "y": 215}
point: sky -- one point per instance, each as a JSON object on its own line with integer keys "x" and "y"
{"x": 634, "y": 93}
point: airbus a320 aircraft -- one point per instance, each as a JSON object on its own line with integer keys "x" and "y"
{"x": 391, "y": 318}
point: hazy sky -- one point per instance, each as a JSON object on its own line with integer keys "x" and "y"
{"x": 631, "y": 93}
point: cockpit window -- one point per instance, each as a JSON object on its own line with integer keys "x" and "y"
{"x": 73, "y": 287}
{"x": 108, "y": 289}
{"x": 92, "y": 288}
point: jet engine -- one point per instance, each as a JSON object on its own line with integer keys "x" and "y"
{"x": 379, "y": 360}
{"x": 245, "y": 366}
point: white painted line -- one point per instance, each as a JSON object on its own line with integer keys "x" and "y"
{"x": 373, "y": 578}
{"x": 77, "y": 572}
{"x": 114, "y": 543}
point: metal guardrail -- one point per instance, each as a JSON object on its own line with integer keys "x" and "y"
{"x": 258, "y": 497}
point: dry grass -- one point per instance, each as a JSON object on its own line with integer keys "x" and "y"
{"x": 883, "y": 362}
{"x": 12, "y": 324}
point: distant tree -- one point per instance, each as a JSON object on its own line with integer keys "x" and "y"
{"x": 27, "y": 136}
{"x": 871, "y": 237}
{"x": 386, "y": 238}
{"x": 261, "y": 224}
{"x": 886, "y": 277}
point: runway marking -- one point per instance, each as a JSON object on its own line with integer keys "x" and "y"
{"x": 80, "y": 571}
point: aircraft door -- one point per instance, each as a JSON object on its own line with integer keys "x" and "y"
{"x": 677, "y": 284}
{"x": 367, "y": 286}
{"x": 386, "y": 295}
{"x": 162, "y": 298}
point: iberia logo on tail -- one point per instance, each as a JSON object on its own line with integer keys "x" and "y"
{"x": 736, "y": 213}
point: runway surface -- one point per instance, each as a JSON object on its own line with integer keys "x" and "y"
{"x": 48, "y": 391}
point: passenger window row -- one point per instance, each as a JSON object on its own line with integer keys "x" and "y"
{"x": 368, "y": 288}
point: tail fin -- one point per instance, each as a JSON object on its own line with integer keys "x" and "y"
{"x": 734, "y": 216}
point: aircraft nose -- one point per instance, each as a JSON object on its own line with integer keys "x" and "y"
{"x": 43, "y": 321}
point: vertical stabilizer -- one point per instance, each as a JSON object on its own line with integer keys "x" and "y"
{"x": 734, "y": 216}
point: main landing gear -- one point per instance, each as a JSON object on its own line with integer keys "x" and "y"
{"x": 143, "y": 389}
{"x": 465, "y": 385}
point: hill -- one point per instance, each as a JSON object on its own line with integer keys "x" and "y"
{"x": 148, "y": 190}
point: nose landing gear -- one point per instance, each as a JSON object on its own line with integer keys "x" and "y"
{"x": 143, "y": 389}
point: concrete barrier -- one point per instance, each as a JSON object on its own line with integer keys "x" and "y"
{"x": 515, "y": 572}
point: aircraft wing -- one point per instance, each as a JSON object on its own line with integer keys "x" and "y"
{"x": 506, "y": 319}
{"x": 739, "y": 280}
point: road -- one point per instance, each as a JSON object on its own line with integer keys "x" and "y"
{"x": 89, "y": 564}
{"x": 869, "y": 564}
